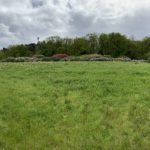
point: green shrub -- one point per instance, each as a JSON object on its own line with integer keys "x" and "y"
{"x": 50, "y": 59}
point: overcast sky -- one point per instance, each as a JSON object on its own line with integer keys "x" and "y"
{"x": 22, "y": 21}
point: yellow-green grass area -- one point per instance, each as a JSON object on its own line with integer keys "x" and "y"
{"x": 75, "y": 106}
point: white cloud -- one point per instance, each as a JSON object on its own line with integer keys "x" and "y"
{"x": 4, "y": 31}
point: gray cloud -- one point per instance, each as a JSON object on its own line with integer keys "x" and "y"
{"x": 24, "y": 21}
{"x": 137, "y": 24}
{"x": 37, "y": 3}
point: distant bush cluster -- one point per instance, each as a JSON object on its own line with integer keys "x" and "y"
{"x": 113, "y": 44}
{"x": 64, "y": 57}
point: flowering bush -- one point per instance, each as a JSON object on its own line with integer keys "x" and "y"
{"x": 59, "y": 56}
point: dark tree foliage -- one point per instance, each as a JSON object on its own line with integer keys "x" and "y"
{"x": 114, "y": 44}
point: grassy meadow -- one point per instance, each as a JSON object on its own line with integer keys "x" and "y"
{"x": 75, "y": 106}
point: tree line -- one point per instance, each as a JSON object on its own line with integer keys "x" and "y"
{"x": 113, "y": 44}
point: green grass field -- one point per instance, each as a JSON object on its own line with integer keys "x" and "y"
{"x": 75, "y": 106}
